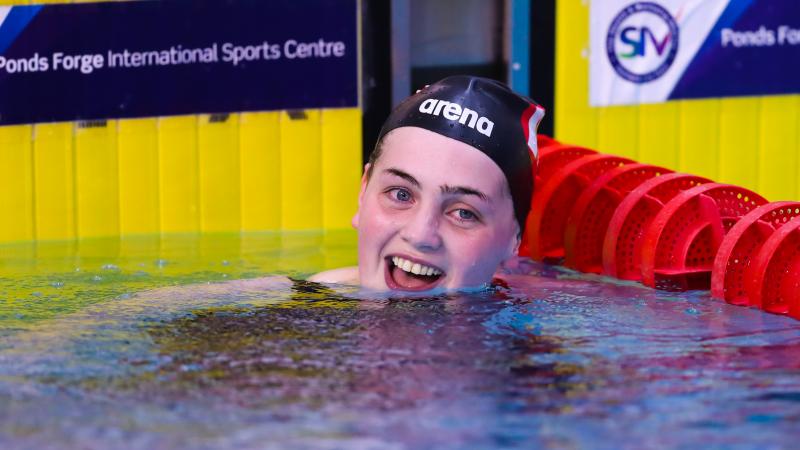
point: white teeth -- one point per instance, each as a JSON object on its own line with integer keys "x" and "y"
{"x": 414, "y": 268}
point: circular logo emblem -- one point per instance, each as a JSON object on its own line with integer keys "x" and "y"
{"x": 642, "y": 42}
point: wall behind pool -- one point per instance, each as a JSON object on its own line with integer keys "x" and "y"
{"x": 282, "y": 170}
{"x": 749, "y": 141}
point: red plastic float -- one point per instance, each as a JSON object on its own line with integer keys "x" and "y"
{"x": 588, "y": 221}
{"x": 731, "y": 274}
{"x": 622, "y": 243}
{"x": 553, "y": 201}
{"x": 552, "y": 158}
{"x": 680, "y": 244}
{"x": 542, "y": 141}
{"x": 776, "y": 272}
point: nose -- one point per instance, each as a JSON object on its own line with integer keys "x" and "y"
{"x": 422, "y": 231}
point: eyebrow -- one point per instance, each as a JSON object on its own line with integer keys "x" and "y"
{"x": 445, "y": 189}
{"x": 404, "y": 175}
{"x": 462, "y": 190}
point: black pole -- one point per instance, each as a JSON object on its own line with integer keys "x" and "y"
{"x": 376, "y": 70}
{"x": 543, "y": 59}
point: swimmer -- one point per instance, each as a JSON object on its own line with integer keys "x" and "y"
{"x": 446, "y": 192}
{"x": 443, "y": 200}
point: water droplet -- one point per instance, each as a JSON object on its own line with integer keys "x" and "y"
{"x": 97, "y": 278}
{"x": 225, "y": 262}
{"x": 110, "y": 267}
{"x": 161, "y": 262}
{"x": 57, "y": 284}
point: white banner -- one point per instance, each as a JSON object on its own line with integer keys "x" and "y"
{"x": 641, "y": 50}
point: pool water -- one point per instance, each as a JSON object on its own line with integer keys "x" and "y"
{"x": 100, "y": 347}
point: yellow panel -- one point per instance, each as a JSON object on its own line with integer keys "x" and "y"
{"x": 16, "y": 183}
{"x": 699, "y": 138}
{"x": 618, "y": 131}
{"x": 220, "y": 181}
{"x": 54, "y": 181}
{"x": 138, "y": 176}
{"x": 796, "y": 195}
{"x": 259, "y": 141}
{"x": 659, "y": 135}
{"x": 96, "y": 179}
{"x": 301, "y": 170}
{"x": 575, "y": 121}
{"x": 341, "y": 166}
{"x": 777, "y": 165}
{"x": 739, "y": 141}
{"x": 178, "y": 178}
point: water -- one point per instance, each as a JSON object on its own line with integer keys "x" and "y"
{"x": 101, "y": 348}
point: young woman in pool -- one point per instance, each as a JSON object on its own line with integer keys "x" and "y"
{"x": 445, "y": 194}
{"x": 443, "y": 199}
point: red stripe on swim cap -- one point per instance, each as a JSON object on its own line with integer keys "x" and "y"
{"x": 531, "y": 117}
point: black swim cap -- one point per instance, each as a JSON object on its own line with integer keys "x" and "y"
{"x": 484, "y": 114}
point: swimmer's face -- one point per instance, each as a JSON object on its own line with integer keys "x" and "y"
{"x": 434, "y": 206}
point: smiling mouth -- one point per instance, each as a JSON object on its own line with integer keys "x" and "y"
{"x": 406, "y": 275}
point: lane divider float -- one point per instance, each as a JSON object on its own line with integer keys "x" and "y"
{"x": 600, "y": 213}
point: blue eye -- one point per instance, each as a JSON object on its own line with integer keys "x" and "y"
{"x": 466, "y": 215}
{"x": 402, "y": 195}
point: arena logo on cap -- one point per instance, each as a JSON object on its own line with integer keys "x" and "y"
{"x": 454, "y": 111}
{"x": 642, "y": 42}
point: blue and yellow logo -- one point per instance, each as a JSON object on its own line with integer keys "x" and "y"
{"x": 642, "y": 42}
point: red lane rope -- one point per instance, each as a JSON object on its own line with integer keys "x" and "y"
{"x": 733, "y": 263}
{"x": 552, "y": 204}
{"x": 622, "y": 242}
{"x": 588, "y": 222}
{"x": 680, "y": 244}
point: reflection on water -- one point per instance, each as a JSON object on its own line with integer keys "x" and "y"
{"x": 559, "y": 360}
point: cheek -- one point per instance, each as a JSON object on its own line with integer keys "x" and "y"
{"x": 376, "y": 218}
{"x": 481, "y": 244}
{"x": 376, "y": 227}
{"x": 478, "y": 253}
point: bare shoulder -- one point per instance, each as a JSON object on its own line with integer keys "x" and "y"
{"x": 344, "y": 275}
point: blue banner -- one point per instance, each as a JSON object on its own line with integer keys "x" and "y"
{"x": 658, "y": 50}
{"x": 153, "y": 58}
